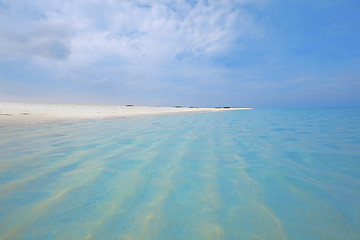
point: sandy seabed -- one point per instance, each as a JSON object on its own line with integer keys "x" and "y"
{"x": 35, "y": 113}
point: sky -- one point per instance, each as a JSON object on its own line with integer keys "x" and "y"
{"x": 239, "y": 53}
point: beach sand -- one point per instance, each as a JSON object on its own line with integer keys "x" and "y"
{"x": 34, "y": 113}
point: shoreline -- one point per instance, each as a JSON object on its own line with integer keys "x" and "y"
{"x": 14, "y": 113}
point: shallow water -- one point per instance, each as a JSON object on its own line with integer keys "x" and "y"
{"x": 254, "y": 174}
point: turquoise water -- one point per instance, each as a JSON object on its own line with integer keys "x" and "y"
{"x": 252, "y": 174}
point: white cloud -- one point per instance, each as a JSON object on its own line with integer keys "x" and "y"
{"x": 135, "y": 30}
{"x": 142, "y": 44}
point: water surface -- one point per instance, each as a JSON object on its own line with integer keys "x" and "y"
{"x": 254, "y": 174}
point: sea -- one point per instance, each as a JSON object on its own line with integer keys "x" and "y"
{"x": 245, "y": 174}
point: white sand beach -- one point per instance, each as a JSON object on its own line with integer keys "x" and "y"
{"x": 35, "y": 113}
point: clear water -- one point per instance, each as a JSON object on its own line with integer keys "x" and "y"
{"x": 255, "y": 174}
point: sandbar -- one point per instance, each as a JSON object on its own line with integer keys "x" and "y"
{"x": 12, "y": 113}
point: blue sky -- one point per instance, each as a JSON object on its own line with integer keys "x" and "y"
{"x": 257, "y": 53}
